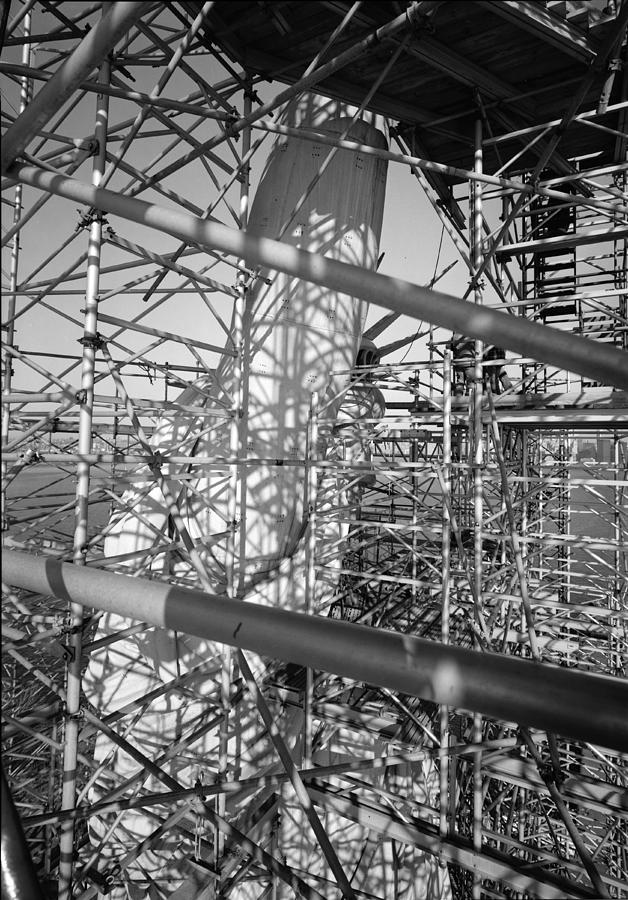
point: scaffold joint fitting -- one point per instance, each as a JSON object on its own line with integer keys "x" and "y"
{"x": 87, "y": 218}
{"x": 199, "y": 787}
{"x": 230, "y": 123}
{"x": 105, "y": 881}
{"x": 547, "y": 773}
{"x": 68, "y": 655}
{"x": 156, "y": 460}
{"x": 92, "y": 341}
{"x": 419, "y": 23}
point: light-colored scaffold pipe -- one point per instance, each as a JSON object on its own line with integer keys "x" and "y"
{"x": 597, "y": 361}
{"x": 575, "y": 704}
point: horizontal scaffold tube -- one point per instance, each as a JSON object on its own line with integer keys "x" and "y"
{"x": 574, "y": 704}
{"x": 598, "y": 361}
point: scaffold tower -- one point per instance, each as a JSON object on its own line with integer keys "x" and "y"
{"x": 314, "y": 449}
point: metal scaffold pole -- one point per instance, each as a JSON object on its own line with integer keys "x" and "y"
{"x": 310, "y": 570}
{"x": 236, "y": 515}
{"x": 445, "y": 762}
{"x": 86, "y": 410}
{"x": 476, "y": 462}
{"x": 7, "y": 376}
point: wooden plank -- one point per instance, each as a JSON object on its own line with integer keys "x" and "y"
{"x": 559, "y": 419}
{"x": 562, "y": 241}
{"x": 600, "y": 795}
{"x": 455, "y": 66}
{"x": 533, "y": 17}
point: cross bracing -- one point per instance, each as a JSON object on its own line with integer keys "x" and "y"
{"x": 447, "y": 508}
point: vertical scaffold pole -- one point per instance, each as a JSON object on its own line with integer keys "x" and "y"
{"x": 414, "y": 453}
{"x": 310, "y": 571}
{"x": 477, "y": 461}
{"x": 15, "y": 256}
{"x": 619, "y": 536}
{"x": 446, "y": 553}
{"x": 243, "y": 348}
{"x": 89, "y": 341}
{"x": 525, "y": 472}
{"x": 568, "y": 517}
{"x": 237, "y": 479}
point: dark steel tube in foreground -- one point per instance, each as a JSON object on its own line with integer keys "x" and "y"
{"x": 596, "y": 360}
{"x": 570, "y": 703}
{"x": 19, "y": 880}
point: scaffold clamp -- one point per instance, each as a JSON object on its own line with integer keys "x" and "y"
{"x": 93, "y": 341}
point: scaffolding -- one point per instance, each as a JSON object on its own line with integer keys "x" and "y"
{"x": 438, "y": 709}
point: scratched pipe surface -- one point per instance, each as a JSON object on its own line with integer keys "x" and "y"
{"x": 567, "y": 702}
